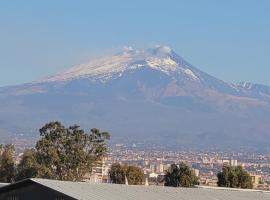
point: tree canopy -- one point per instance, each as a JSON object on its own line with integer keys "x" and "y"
{"x": 28, "y": 166}
{"x": 118, "y": 173}
{"x": 180, "y": 176}
{"x": 63, "y": 153}
{"x": 7, "y": 164}
{"x": 234, "y": 177}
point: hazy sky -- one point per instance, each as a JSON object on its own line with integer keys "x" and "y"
{"x": 229, "y": 39}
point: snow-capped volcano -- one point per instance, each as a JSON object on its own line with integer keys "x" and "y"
{"x": 160, "y": 58}
{"x": 151, "y": 94}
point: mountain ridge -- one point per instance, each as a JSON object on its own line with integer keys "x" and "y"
{"x": 160, "y": 58}
{"x": 142, "y": 95}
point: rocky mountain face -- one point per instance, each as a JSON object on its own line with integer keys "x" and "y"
{"x": 151, "y": 95}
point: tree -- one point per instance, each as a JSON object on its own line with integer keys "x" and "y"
{"x": 180, "y": 176}
{"x": 118, "y": 173}
{"x": 234, "y": 177}
{"x": 28, "y": 166}
{"x": 135, "y": 175}
{"x": 63, "y": 153}
{"x": 7, "y": 164}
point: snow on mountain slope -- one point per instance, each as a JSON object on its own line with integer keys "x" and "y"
{"x": 103, "y": 69}
{"x": 161, "y": 59}
{"x": 255, "y": 90}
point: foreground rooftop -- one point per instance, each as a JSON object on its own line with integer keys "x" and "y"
{"x": 89, "y": 191}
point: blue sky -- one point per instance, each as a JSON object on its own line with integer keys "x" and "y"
{"x": 228, "y": 39}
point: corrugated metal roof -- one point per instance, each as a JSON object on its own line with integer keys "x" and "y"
{"x": 89, "y": 191}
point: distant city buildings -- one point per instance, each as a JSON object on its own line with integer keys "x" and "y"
{"x": 206, "y": 164}
{"x": 100, "y": 172}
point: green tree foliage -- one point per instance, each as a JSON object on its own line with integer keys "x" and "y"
{"x": 63, "y": 153}
{"x": 180, "y": 176}
{"x": 28, "y": 166}
{"x": 135, "y": 175}
{"x": 234, "y": 177}
{"x": 117, "y": 174}
{"x": 7, "y": 164}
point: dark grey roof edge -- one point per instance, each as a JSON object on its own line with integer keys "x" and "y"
{"x": 25, "y": 182}
{"x": 15, "y": 185}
